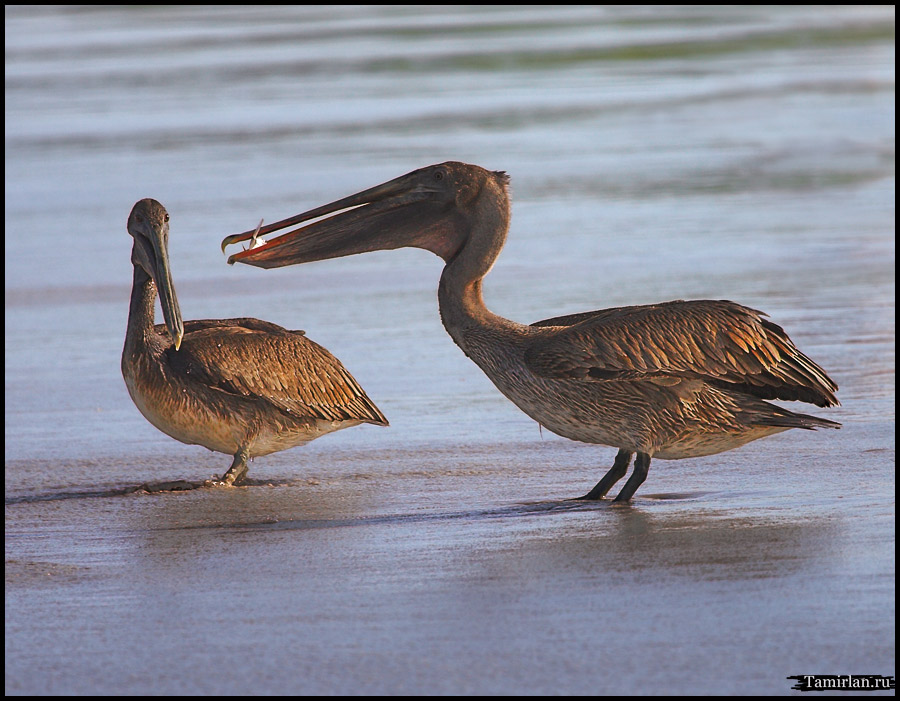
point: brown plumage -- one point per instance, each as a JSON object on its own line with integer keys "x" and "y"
{"x": 724, "y": 343}
{"x": 672, "y": 380}
{"x": 243, "y": 387}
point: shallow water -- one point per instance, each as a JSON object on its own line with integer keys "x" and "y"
{"x": 656, "y": 153}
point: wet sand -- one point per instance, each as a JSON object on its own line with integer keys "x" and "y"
{"x": 452, "y": 572}
{"x": 743, "y": 153}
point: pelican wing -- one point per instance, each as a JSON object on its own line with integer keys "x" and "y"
{"x": 263, "y": 361}
{"x": 717, "y": 341}
{"x": 243, "y": 322}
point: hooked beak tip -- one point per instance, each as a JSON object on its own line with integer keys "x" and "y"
{"x": 228, "y": 240}
{"x": 254, "y": 236}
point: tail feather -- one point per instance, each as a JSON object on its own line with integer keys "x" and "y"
{"x": 782, "y": 417}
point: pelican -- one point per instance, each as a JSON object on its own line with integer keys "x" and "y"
{"x": 674, "y": 380}
{"x": 242, "y": 387}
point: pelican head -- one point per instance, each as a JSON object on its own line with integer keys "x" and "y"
{"x": 430, "y": 208}
{"x": 148, "y": 224}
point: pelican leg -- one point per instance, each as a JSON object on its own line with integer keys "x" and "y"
{"x": 638, "y": 475}
{"x": 239, "y": 468}
{"x": 616, "y": 472}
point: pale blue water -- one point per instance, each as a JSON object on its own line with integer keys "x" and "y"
{"x": 656, "y": 153}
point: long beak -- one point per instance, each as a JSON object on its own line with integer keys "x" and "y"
{"x": 153, "y": 252}
{"x": 167, "y": 298}
{"x": 402, "y": 212}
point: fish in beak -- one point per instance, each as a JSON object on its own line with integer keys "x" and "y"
{"x": 148, "y": 224}
{"x": 417, "y": 209}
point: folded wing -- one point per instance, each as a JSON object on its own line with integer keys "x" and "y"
{"x": 298, "y": 376}
{"x": 720, "y": 342}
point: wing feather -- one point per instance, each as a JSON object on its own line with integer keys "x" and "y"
{"x": 718, "y": 341}
{"x": 261, "y": 360}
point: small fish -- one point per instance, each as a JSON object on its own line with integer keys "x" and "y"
{"x": 256, "y": 240}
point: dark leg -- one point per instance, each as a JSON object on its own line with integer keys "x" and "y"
{"x": 638, "y": 475}
{"x": 616, "y": 472}
{"x": 238, "y": 469}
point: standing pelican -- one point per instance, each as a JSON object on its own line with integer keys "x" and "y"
{"x": 243, "y": 387}
{"x": 672, "y": 380}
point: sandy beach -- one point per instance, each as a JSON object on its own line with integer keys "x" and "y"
{"x": 655, "y": 154}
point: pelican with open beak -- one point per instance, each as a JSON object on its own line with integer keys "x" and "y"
{"x": 670, "y": 380}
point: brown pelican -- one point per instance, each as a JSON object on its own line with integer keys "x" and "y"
{"x": 672, "y": 380}
{"x": 243, "y": 387}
